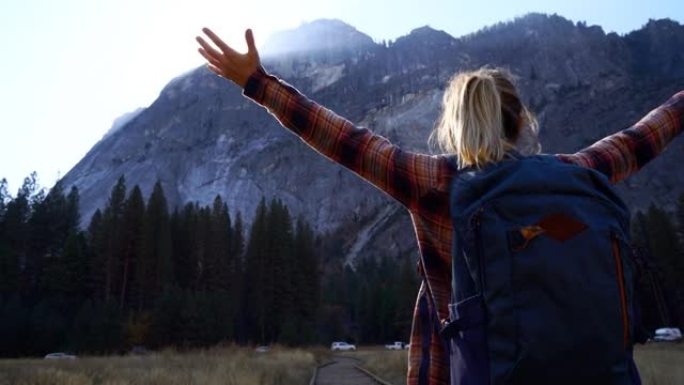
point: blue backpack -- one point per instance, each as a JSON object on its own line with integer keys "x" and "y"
{"x": 542, "y": 288}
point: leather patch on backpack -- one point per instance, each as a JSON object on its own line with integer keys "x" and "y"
{"x": 560, "y": 227}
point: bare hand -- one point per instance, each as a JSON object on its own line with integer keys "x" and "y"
{"x": 228, "y": 63}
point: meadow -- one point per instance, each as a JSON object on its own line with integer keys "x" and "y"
{"x": 659, "y": 364}
{"x": 225, "y": 366}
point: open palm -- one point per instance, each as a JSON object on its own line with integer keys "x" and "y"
{"x": 225, "y": 61}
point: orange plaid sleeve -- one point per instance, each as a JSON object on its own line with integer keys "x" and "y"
{"x": 404, "y": 175}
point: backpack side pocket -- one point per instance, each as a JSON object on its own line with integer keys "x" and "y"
{"x": 465, "y": 335}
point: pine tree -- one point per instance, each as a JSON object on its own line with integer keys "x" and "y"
{"x": 306, "y": 277}
{"x": 14, "y": 333}
{"x": 96, "y": 237}
{"x": 54, "y": 226}
{"x": 220, "y": 283}
{"x": 666, "y": 251}
{"x": 651, "y": 301}
{"x": 184, "y": 244}
{"x": 72, "y": 214}
{"x": 4, "y": 197}
{"x": 31, "y": 189}
{"x": 98, "y": 326}
{"x": 9, "y": 268}
{"x": 202, "y": 253}
{"x": 48, "y": 326}
{"x": 9, "y": 258}
{"x": 112, "y": 228}
{"x": 256, "y": 306}
{"x": 167, "y": 318}
{"x": 66, "y": 275}
{"x": 219, "y": 261}
{"x": 364, "y": 302}
{"x": 45, "y": 243}
{"x": 238, "y": 239}
{"x": 665, "y": 246}
{"x": 406, "y": 288}
{"x": 238, "y": 278}
{"x": 132, "y": 233}
{"x": 156, "y": 262}
{"x": 388, "y": 300}
{"x": 45, "y": 223}
{"x": 279, "y": 269}
{"x": 16, "y": 238}
{"x": 82, "y": 332}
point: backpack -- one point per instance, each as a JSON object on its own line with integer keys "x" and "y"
{"x": 542, "y": 287}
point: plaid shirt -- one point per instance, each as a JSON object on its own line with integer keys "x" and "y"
{"x": 421, "y": 183}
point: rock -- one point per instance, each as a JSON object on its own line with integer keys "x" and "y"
{"x": 201, "y": 137}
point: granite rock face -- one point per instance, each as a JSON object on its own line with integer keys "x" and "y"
{"x": 202, "y": 138}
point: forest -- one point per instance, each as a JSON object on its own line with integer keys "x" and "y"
{"x": 139, "y": 274}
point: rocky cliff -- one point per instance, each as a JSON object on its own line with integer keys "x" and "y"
{"x": 201, "y": 137}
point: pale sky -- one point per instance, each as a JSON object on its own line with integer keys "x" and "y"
{"x": 70, "y": 67}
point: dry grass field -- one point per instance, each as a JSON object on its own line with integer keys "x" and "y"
{"x": 225, "y": 366}
{"x": 660, "y": 364}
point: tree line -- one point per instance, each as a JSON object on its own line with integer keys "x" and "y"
{"x": 658, "y": 241}
{"x": 142, "y": 275}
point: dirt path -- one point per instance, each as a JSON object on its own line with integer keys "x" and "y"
{"x": 342, "y": 372}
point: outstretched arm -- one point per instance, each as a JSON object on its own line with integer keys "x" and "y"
{"x": 624, "y": 153}
{"x": 403, "y": 175}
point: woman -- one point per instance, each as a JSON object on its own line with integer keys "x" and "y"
{"x": 483, "y": 120}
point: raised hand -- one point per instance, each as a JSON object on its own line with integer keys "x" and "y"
{"x": 228, "y": 63}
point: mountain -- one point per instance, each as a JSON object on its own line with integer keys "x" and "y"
{"x": 201, "y": 137}
{"x": 327, "y": 35}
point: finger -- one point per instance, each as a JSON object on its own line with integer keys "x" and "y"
{"x": 209, "y": 58}
{"x": 215, "y": 70}
{"x": 222, "y": 61}
{"x": 219, "y": 43}
{"x": 211, "y": 51}
{"x": 251, "y": 47}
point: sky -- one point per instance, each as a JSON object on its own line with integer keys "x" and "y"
{"x": 70, "y": 67}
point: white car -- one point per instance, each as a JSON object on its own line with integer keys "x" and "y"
{"x": 60, "y": 356}
{"x": 343, "y": 346}
{"x": 397, "y": 345}
{"x": 667, "y": 334}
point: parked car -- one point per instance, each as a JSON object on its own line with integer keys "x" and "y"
{"x": 667, "y": 334}
{"x": 397, "y": 345}
{"x": 342, "y": 346}
{"x": 60, "y": 356}
{"x": 138, "y": 350}
{"x": 262, "y": 349}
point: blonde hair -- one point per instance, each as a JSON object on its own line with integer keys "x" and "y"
{"x": 483, "y": 118}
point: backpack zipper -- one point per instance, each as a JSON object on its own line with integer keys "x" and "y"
{"x": 621, "y": 287}
{"x": 480, "y": 248}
